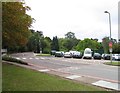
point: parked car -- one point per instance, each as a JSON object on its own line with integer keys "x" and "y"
{"x": 87, "y": 53}
{"x": 53, "y": 52}
{"x": 103, "y": 56}
{"x": 59, "y": 54}
{"x": 77, "y": 54}
{"x": 67, "y": 55}
{"x": 106, "y": 56}
{"x": 72, "y": 51}
{"x": 97, "y": 56}
{"x": 116, "y": 57}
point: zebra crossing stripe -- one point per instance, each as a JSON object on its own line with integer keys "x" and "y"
{"x": 18, "y": 58}
{"x": 44, "y": 70}
{"x": 107, "y": 84}
{"x": 36, "y": 58}
{"x": 42, "y": 58}
{"x": 73, "y": 77}
{"x": 23, "y": 58}
{"x": 31, "y": 58}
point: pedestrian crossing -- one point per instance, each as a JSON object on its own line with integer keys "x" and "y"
{"x": 24, "y": 58}
{"x": 63, "y": 60}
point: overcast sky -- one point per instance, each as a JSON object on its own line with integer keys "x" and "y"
{"x": 86, "y": 18}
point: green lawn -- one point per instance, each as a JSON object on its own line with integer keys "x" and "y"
{"x": 43, "y": 55}
{"x": 113, "y": 63}
{"x": 22, "y": 79}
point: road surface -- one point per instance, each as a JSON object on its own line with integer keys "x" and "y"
{"x": 83, "y": 67}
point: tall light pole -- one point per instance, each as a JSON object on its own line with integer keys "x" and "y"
{"x": 110, "y": 43}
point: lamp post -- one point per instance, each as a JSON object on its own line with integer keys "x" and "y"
{"x": 110, "y": 43}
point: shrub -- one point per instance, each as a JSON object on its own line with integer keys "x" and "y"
{"x": 11, "y": 59}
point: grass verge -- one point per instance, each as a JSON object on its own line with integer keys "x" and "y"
{"x": 43, "y": 55}
{"x": 22, "y": 79}
{"x": 113, "y": 63}
{"x": 11, "y": 59}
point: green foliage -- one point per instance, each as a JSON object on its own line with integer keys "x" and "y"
{"x": 69, "y": 42}
{"x": 11, "y": 59}
{"x": 15, "y": 24}
{"x": 47, "y": 45}
{"x": 105, "y": 43}
{"x": 88, "y": 43}
{"x": 70, "y": 35}
{"x": 55, "y": 44}
{"x": 116, "y": 48}
{"x": 35, "y": 41}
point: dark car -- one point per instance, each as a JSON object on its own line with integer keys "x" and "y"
{"x": 53, "y": 52}
{"x": 97, "y": 56}
{"x": 106, "y": 56}
{"x": 59, "y": 54}
{"x": 77, "y": 54}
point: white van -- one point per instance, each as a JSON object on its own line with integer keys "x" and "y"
{"x": 87, "y": 53}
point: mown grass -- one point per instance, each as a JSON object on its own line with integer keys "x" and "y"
{"x": 113, "y": 63}
{"x": 43, "y": 54}
{"x": 22, "y": 79}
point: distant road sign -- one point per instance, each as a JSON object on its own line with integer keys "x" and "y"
{"x": 110, "y": 44}
{"x": 110, "y": 50}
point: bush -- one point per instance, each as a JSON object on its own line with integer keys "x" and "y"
{"x": 11, "y": 59}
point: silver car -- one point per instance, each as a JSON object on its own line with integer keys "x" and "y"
{"x": 67, "y": 55}
{"x": 116, "y": 57}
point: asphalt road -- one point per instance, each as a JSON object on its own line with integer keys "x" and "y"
{"x": 83, "y": 67}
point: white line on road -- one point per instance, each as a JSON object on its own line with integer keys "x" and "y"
{"x": 42, "y": 58}
{"x": 17, "y": 58}
{"x": 31, "y": 58}
{"x": 23, "y": 58}
{"x": 73, "y": 77}
{"x": 36, "y": 58}
{"x": 107, "y": 84}
{"x": 44, "y": 70}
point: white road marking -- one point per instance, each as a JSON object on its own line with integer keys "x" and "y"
{"x": 42, "y": 58}
{"x": 23, "y": 58}
{"x": 107, "y": 84}
{"x": 17, "y": 58}
{"x": 31, "y": 58}
{"x": 44, "y": 70}
{"x": 67, "y": 68}
{"x": 73, "y": 77}
{"x": 36, "y": 58}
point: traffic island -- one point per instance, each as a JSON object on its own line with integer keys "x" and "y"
{"x": 117, "y": 63}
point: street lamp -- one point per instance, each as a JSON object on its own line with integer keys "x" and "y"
{"x": 109, "y": 22}
{"x": 110, "y": 43}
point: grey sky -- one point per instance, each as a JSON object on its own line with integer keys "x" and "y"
{"x": 86, "y": 18}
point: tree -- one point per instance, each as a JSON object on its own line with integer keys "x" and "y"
{"x": 70, "y": 35}
{"x": 116, "y": 48}
{"x": 35, "y": 41}
{"x": 115, "y": 45}
{"x": 47, "y": 45}
{"x": 55, "y": 44}
{"x": 15, "y": 24}
{"x": 69, "y": 42}
{"x": 89, "y": 43}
